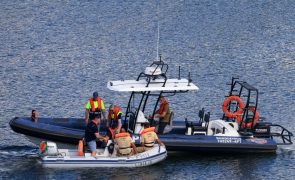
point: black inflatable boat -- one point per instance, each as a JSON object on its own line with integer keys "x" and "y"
{"x": 239, "y": 130}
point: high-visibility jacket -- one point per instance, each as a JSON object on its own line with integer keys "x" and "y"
{"x": 95, "y": 108}
{"x": 113, "y": 116}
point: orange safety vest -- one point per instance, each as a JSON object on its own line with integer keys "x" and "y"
{"x": 150, "y": 129}
{"x": 148, "y": 142}
{"x": 91, "y": 100}
{"x": 162, "y": 106}
{"x": 126, "y": 149}
{"x": 123, "y": 134}
{"x": 115, "y": 112}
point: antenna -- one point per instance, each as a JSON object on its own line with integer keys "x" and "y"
{"x": 189, "y": 79}
{"x": 178, "y": 72}
{"x": 158, "y": 39}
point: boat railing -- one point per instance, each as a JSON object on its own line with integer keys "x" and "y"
{"x": 152, "y": 77}
{"x": 155, "y": 74}
{"x": 249, "y": 95}
{"x": 284, "y": 134}
{"x": 281, "y": 133}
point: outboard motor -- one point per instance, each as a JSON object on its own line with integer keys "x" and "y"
{"x": 48, "y": 148}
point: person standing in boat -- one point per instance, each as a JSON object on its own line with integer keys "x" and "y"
{"x": 114, "y": 117}
{"x": 163, "y": 113}
{"x": 94, "y": 108}
{"x": 92, "y": 134}
{"x": 34, "y": 115}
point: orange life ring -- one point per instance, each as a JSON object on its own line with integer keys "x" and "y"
{"x": 249, "y": 124}
{"x": 227, "y": 101}
{"x": 124, "y": 134}
{"x": 150, "y": 129}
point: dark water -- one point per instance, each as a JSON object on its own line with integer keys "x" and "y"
{"x": 55, "y": 54}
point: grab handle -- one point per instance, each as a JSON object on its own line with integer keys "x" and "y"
{"x": 159, "y": 148}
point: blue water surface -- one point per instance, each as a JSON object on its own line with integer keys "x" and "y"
{"x": 54, "y": 54}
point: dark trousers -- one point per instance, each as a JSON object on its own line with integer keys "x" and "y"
{"x": 162, "y": 126}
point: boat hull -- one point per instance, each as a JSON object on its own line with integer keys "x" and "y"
{"x": 67, "y": 133}
{"x": 153, "y": 156}
{"x": 221, "y": 144}
{"x": 62, "y": 130}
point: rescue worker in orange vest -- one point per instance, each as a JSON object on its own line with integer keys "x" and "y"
{"x": 94, "y": 108}
{"x": 114, "y": 117}
{"x": 148, "y": 138}
{"x": 111, "y": 133}
{"x": 124, "y": 144}
{"x": 163, "y": 113}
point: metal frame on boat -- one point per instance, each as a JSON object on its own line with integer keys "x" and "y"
{"x": 261, "y": 128}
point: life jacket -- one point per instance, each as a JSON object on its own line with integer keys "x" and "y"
{"x": 95, "y": 111}
{"x": 114, "y": 115}
{"x": 113, "y": 133}
{"x": 124, "y": 143}
{"x": 148, "y": 136}
{"x": 162, "y": 106}
{"x": 146, "y": 130}
{"x": 123, "y": 134}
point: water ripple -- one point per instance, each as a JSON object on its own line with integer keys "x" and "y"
{"x": 55, "y": 54}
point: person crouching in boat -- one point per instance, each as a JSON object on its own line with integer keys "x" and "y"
{"x": 124, "y": 144}
{"x": 114, "y": 117}
{"x": 148, "y": 138}
{"x": 92, "y": 134}
{"x": 111, "y": 133}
